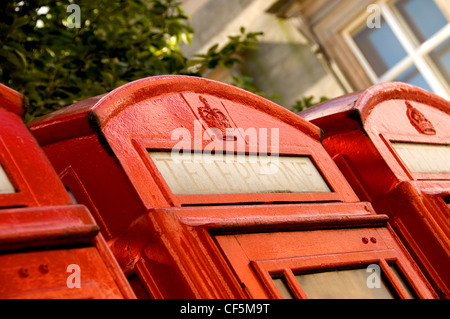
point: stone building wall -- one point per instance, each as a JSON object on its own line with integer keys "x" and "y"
{"x": 285, "y": 67}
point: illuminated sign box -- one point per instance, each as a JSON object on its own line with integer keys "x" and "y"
{"x": 197, "y": 173}
{"x": 424, "y": 158}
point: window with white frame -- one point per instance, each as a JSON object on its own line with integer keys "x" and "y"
{"x": 407, "y": 41}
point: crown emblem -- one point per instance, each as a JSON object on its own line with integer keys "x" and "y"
{"x": 418, "y": 120}
{"x": 214, "y": 118}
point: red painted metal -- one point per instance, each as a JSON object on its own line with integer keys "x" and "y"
{"x": 12, "y": 100}
{"x": 359, "y": 130}
{"x": 42, "y": 232}
{"x": 176, "y": 246}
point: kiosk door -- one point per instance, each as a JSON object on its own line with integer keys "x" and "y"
{"x": 366, "y": 263}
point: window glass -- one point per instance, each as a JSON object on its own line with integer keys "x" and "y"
{"x": 402, "y": 281}
{"x": 412, "y": 76}
{"x": 424, "y": 158}
{"x": 5, "y": 185}
{"x": 283, "y": 288}
{"x": 71, "y": 195}
{"x": 344, "y": 284}
{"x": 423, "y": 17}
{"x": 410, "y": 43}
{"x": 441, "y": 58}
{"x": 380, "y": 47}
{"x": 196, "y": 173}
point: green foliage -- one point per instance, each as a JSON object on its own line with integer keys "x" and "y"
{"x": 117, "y": 42}
{"x": 227, "y": 56}
{"x": 306, "y": 102}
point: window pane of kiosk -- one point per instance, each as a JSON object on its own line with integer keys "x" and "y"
{"x": 402, "y": 281}
{"x": 5, "y": 185}
{"x": 71, "y": 195}
{"x": 197, "y": 173}
{"x": 424, "y": 158}
{"x": 283, "y": 288}
{"x": 343, "y": 284}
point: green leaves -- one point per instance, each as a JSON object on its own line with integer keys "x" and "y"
{"x": 228, "y": 55}
{"x": 306, "y": 102}
{"x": 118, "y": 42}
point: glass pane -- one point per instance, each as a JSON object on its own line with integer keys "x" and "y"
{"x": 424, "y": 158}
{"x": 5, "y": 185}
{"x": 71, "y": 195}
{"x": 380, "y": 47}
{"x": 344, "y": 284}
{"x": 441, "y": 58}
{"x": 283, "y": 288}
{"x": 197, "y": 173}
{"x": 402, "y": 281}
{"x": 412, "y": 76}
{"x": 423, "y": 17}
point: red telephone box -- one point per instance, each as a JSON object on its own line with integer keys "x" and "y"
{"x": 204, "y": 190}
{"x": 392, "y": 144}
{"x": 49, "y": 247}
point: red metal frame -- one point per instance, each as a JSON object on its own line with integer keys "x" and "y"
{"x": 41, "y": 230}
{"x": 287, "y": 267}
{"x": 243, "y": 250}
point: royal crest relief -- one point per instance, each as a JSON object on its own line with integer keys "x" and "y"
{"x": 418, "y": 120}
{"x": 214, "y": 118}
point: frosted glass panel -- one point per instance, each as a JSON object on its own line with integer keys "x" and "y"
{"x": 5, "y": 185}
{"x": 424, "y": 158}
{"x": 223, "y": 174}
{"x": 411, "y": 294}
{"x": 283, "y": 288}
{"x": 342, "y": 284}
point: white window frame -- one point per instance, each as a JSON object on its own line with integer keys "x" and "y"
{"x": 415, "y": 54}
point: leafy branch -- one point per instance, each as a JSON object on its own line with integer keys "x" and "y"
{"x": 117, "y": 42}
{"x": 306, "y": 102}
